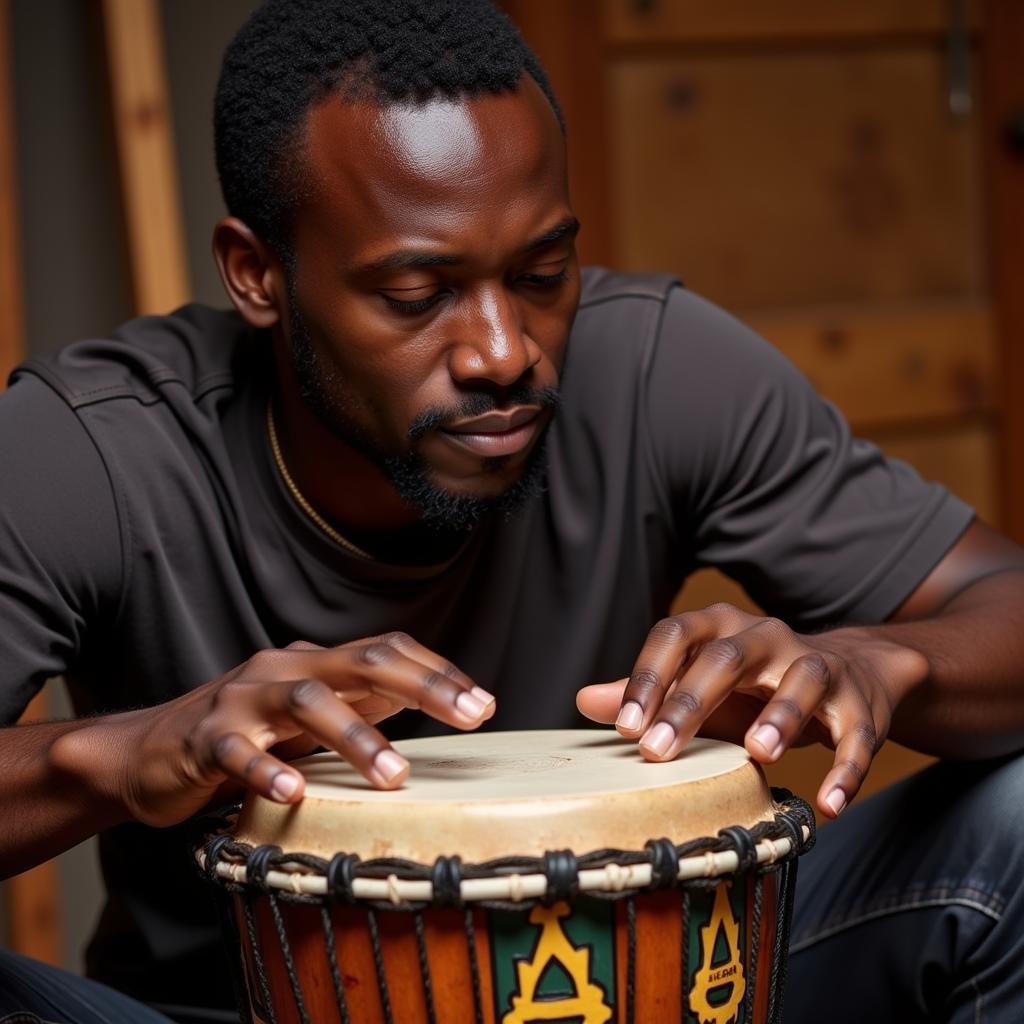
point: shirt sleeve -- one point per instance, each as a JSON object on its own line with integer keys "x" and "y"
{"x": 60, "y": 549}
{"x": 767, "y": 484}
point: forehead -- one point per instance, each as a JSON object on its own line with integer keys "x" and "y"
{"x": 435, "y": 172}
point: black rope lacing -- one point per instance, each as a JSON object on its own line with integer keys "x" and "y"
{"x": 561, "y": 868}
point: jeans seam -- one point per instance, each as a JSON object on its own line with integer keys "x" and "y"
{"x": 978, "y": 1002}
{"x": 874, "y": 915}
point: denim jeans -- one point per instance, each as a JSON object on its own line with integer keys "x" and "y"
{"x": 910, "y": 908}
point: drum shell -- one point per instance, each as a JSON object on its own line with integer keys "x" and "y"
{"x": 636, "y": 985}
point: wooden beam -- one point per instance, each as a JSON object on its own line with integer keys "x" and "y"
{"x": 567, "y": 37}
{"x": 781, "y": 21}
{"x": 11, "y": 298}
{"x": 893, "y": 365}
{"x": 1002, "y": 103}
{"x": 145, "y": 149}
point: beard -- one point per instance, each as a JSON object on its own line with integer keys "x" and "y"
{"x": 323, "y": 391}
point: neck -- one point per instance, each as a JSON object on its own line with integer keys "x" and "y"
{"x": 349, "y": 492}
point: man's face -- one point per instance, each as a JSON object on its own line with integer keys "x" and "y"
{"x": 434, "y": 287}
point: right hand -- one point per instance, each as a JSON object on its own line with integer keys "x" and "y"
{"x": 173, "y": 759}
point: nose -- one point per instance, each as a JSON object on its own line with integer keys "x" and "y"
{"x": 493, "y": 346}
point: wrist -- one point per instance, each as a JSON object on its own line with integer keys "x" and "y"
{"x": 898, "y": 666}
{"x": 91, "y": 760}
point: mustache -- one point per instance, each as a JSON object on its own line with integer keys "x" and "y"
{"x": 483, "y": 402}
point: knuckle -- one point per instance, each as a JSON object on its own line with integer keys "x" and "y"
{"x": 432, "y": 680}
{"x": 815, "y": 667}
{"x": 375, "y": 655}
{"x": 668, "y": 630}
{"x": 686, "y": 701}
{"x": 789, "y": 707}
{"x": 301, "y": 645}
{"x": 724, "y": 652}
{"x": 396, "y": 638}
{"x": 263, "y": 661}
{"x": 450, "y": 671}
{"x": 721, "y": 608}
{"x": 224, "y": 746}
{"x": 305, "y": 694}
{"x": 646, "y": 680}
{"x": 356, "y": 732}
{"x": 867, "y": 734}
{"x": 851, "y": 766}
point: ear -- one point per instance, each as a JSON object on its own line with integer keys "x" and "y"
{"x": 252, "y": 275}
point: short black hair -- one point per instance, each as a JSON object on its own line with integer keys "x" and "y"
{"x": 291, "y": 53}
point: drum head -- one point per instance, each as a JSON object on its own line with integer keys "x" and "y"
{"x": 500, "y": 794}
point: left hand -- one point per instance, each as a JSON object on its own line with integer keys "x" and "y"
{"x": 716, "y": 669}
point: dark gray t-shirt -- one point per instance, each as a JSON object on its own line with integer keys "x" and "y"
{"x": 147, "y": 543}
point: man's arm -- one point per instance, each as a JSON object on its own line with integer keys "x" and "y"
{"x": 943, "y": 675}
{"x": 66, "y": 781}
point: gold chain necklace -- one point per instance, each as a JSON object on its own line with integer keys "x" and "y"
{"x": 300, "y": 498}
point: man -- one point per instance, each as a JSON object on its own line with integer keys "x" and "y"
{"x": 391, "y": 480}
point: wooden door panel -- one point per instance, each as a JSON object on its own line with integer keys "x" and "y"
{"x": 774, "y": 180}
{"x": 711, "y": 21}
{"x": 894, "y": 364}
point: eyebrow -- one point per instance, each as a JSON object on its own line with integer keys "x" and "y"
{"x": 404, "y": 260}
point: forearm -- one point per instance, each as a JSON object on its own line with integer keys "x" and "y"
{"x": 970, "y": 704}
{"x": 57, "y": 789}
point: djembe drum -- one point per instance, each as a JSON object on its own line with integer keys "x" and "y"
{"x": 518, "y": 877}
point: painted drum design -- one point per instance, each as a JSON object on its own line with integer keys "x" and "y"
{"x": 430, "y": 923}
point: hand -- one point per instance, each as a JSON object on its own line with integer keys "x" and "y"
{"x": 715, "y": 670}
{"x": 175, "y": 757}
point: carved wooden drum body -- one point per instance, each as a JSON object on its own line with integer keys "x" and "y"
{"x": 518, "y": 877}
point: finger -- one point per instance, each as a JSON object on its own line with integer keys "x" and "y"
{"x": 855, "y": 751}
{"x": 600, "y": 702}
{"x": 667, "y": 648}
{"x": 803, "y": 687}
{"x": 235, "y": 756}
{"x": 719, "y": 667}
{"x": 313, "y": 706}
{"x": 385, "y": 670}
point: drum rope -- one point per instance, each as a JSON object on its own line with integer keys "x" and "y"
{"x": 428, "y": 985}
{"x": 289, "y": 960}
{"x": 266, "y": 1010}
{"x": 378, "y": 964}
{"x": 684, "y": 957}
{"x": 630, "y": 960}
{"x": 332, "y": 960}
{"x": 755, "y": 948}
{"x": 474, "y": 968}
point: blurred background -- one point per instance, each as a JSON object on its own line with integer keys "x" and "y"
{"x": 847, "y": 176}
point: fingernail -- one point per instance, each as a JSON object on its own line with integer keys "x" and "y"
{"x": 768, "y": 736}
{"x": 283, "y": 787}
{"x": 470, "y": 705}
{"x": 836, "y": 800}
{"x": 631, "y": 716}
{"x": 388, "y": 765}
{"x": 485, "y": 698}
{"x": 658, "y": 738}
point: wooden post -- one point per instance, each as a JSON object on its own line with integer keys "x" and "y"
{"x": 145, "y": 150}
{"x": 568, "y": 37}
{"x": 1003, "y": 119}
{"x": 32, "y": 900}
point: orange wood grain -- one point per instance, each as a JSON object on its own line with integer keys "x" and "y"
{"x": 706, "y": 21}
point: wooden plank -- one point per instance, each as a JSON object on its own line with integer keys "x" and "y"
{"x": 885, "y": 365}
{"x": 773, "y": 180}
{"x": 568, "y": 40}
{"x": 1003, "y": 146}
{"x": 11, "y": 296}
{"x": 149, "y": 179}
{"x": 712, "y": 21}
{"x": 31, "y": 898}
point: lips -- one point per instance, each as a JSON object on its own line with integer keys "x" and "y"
{"x": 502, "y": 432}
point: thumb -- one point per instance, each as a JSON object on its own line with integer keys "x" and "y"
{"x": 600, "y": 701}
